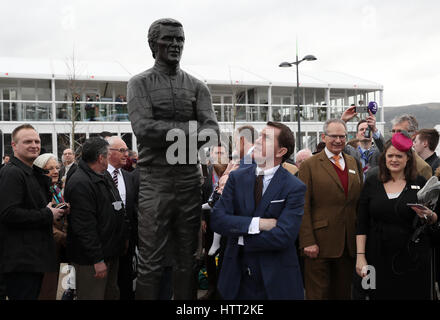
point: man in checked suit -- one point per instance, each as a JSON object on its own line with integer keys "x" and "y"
{"x": 327, "y": 234}
{"x": 260, "y": 213}
{"x": 117, "y": 158}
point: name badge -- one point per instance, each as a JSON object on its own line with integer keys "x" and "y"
{"x": 352, "y": 171}
{"x": 415, "y": 187}
{"x": 117, "y": 205}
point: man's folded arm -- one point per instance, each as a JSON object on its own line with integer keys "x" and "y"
{"x": 223, "y": 220}
{"x": 287, "y": 227}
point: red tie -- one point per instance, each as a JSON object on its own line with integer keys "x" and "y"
{"x": 258, "y": 190}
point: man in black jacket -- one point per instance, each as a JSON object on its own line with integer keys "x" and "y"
{"x": 128, "y": 191}
{"x": 27, "y": 247}
{"x": 69, "y": 165}
{"x": 97, "y": 234}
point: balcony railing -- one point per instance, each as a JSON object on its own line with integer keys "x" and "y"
{"x": 109, "y": 111}
{"x": 282, "y": 113}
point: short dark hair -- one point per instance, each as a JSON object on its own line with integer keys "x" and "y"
{"x": 319, "y": 147}
{"x": 410, "y": 168}
{"x": 248, "y": 132}
{"x": 430, "y": 135}
{"x": 359, "y": 123}
{"x": 105, "y": 134}
{"x": 19, "y": 128}
{"x": 93, "y": 148}
{"x": 285, "y": 138}
{"x": 154, "y": 31}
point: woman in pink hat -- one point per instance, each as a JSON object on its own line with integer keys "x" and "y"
{"x": 393, "y": 238}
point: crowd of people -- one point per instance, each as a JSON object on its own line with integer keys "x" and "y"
{"x": 274, "y": 225}
{"x": 77, "y": 212}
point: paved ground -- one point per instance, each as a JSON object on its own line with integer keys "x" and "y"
{"x": 63, "y": 274}
{"x": 62, "y": 280}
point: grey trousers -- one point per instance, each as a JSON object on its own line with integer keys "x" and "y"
{"x": 90, "y": 288}
{"x": 169, "y": 222}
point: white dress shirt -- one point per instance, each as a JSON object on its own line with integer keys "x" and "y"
{"x": 330, "y": 155}
{"x": 254, "y": 227}
{"x": 121, "y": 183}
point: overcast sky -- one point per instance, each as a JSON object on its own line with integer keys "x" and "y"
{"x": 395, "y": 43}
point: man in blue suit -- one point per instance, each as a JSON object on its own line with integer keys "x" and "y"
{"x": 260, "y": 212}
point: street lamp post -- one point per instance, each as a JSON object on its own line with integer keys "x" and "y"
{"x": 308, "y": 57}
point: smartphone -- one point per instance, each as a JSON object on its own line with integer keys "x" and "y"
{"x": 417, "y": 205}
{"x": 63, "y": 206}
{"x": 362, "y": 109}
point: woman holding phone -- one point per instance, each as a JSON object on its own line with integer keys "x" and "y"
{"x": 49, "y": 162}
{"x": 392, "y": 236}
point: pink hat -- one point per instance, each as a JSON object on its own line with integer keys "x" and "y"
{"x": 401, "y": 142}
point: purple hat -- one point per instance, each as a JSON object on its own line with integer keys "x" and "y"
{"x": 401, "y": 142}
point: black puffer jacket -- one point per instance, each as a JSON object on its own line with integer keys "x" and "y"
{"x": 97, "y": 230}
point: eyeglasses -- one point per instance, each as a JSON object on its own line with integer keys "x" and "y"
{"x": 122, "y": 150}
{"x": 335, "y": 137}
{"x": 398, "y": 130}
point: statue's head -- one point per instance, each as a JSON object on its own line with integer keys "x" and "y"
{"x": 166, "y": 39}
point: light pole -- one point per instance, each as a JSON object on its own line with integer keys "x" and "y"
{"x": 308, "y": 57}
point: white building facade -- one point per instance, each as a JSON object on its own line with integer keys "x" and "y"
{"x": 49, "y": 93}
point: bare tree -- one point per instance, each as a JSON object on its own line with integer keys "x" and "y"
{"x": 75, "y": 90}
{"x": 237, "y": 96}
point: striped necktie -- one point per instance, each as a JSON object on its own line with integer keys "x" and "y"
{"x": 115, "y": 177}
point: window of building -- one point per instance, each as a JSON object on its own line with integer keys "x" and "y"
{"x": 7, "y": 148}
{"x": 46, "y": 143}
{"x": 9, "y": 110}
{"x": 79, "y": 140}
{"x": 27, "y": 88}
{"x": 128, "y": 139}
{"x": 44, "y": 90}
{"x": 63, "y": 142}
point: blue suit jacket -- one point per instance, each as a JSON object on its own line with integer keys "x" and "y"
{"x": 275, "y": 249}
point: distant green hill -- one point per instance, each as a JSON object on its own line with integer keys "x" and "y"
{"x": 427, "y": 114}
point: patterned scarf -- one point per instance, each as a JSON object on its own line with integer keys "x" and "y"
{"x": 56, "y": 193}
